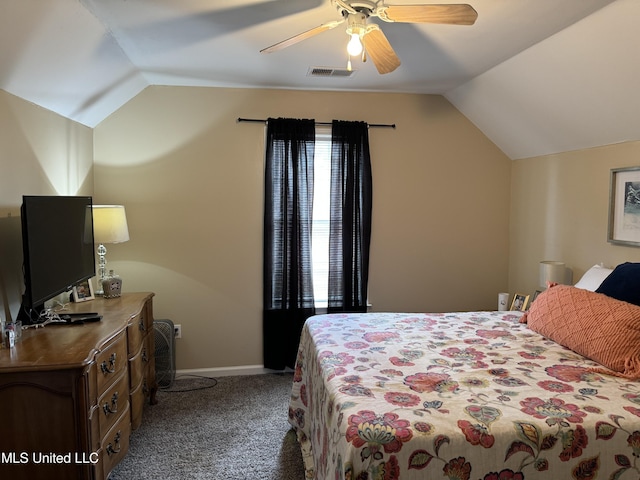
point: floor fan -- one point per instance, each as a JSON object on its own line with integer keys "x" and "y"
{"x": 165, "y": 353}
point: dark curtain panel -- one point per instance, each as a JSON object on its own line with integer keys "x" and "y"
{"x": 288, "y": 206}
{"x": 350, "y": 226}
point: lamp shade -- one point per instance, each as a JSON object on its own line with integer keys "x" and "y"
{"x": 552, "y": 272}
{"x": 110, "y": 224}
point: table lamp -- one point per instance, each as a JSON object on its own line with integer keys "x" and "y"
{"x": 553, "y": 272}
{"x": 109, "y": 226}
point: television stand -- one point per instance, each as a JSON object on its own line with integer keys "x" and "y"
{"x": 76, "y": 394}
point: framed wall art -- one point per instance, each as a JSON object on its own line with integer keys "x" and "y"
{"x": 624, "y": 207}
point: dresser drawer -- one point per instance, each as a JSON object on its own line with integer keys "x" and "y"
{"x": 139, "y": 363}
{"x": 115, "y": 443}
{"x": 139, "y": 326}
{"x": 150, "y": 362}
{"x": 113, "y": 402}
{"x": 138, "y": 396}
{"x": 111, "y": 362}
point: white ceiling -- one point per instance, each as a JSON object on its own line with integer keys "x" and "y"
{"x": 536, "y": 76}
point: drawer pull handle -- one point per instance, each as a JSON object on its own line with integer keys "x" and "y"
{"x": 145, "y": 358}
{"x": 141, "y": 325}
{"x": 113, "y": 408}
{"x": 111, "y": 367}
{"x": 111, "y": 450}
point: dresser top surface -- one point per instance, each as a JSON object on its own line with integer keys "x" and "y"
{"x": 62, "y": 346}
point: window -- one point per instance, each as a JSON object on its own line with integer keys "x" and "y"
{"x": 321, "y": 216}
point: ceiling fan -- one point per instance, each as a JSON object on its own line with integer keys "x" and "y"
{"x": 369, "y": 39}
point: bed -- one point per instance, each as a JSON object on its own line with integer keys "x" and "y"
{"x": 470, "y": 395}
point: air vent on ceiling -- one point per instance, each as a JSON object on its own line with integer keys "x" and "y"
{"x": 329, "y": 72}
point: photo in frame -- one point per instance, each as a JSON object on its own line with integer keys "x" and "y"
{"x": 624, "y": 207}
{"x": 83, "y": 291}
{"x": 535, "y": 295}
{"x": 519, "y": 302}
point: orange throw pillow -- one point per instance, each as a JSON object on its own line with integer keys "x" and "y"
{"x": 592, "y": 324}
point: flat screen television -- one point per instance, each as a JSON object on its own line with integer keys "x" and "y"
{"x": 57, "y": 246}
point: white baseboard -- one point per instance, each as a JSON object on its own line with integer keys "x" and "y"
{"x": 227, "y": 371}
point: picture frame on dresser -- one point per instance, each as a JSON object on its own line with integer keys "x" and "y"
{"x": 534, "y": 296}
{"x": 519, "y": 302}
{"x": 83, "y": 291}
{"x": 624, "y": 207}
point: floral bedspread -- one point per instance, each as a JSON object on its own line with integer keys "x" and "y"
{"x": 474, "y": 395}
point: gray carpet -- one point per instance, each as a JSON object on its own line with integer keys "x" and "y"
{"x": 235, "y": 429}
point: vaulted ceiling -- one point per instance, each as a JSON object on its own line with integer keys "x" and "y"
{"x": 536, "y": 76}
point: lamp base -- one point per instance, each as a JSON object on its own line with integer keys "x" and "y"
{"x": 102, "y": 269}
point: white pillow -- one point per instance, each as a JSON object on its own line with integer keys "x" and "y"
{"x": 593, "y": 277}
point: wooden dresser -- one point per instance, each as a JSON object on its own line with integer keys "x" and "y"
{"x": 72, "y": 394}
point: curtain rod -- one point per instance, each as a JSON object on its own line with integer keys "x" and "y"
{"x": 379, "y": 125}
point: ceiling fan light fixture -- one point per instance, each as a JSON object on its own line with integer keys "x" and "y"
{"x": 356, "y": 27}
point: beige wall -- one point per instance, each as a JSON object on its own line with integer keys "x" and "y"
{"x": 41, "y": 153}
{"x": 191, "y": 179}
{"x": 559, "y": 211}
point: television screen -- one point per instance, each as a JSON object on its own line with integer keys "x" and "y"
{"x": 57, "y": 240}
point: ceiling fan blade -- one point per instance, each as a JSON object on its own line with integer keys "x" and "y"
{"x": 453, "y": 14}
{"x": 302, "y": 36}
{"x": 379, "y": 50}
